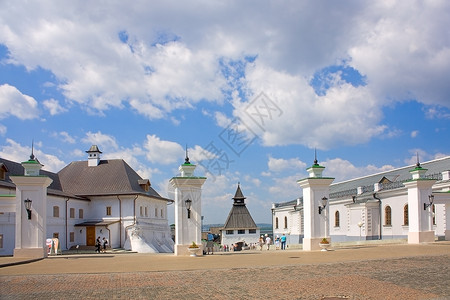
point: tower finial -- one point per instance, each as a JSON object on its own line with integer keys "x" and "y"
{"x": 418, "y": 163}
{"x": 315, "y": 157}
{"x": 32, "y": 150}
{"x": 186, "y": 160}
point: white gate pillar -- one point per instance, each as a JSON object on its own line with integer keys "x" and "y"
{"x": 316, "y": 221}
{"x": 31, "y": 222}
{"x": 188, "y": 204}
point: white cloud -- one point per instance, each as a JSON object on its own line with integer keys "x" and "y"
{"x": 3, "y": 130}
{"x": 281, "y": 164}
{"x": 163, "y": 65}
{"x": 414, "y": 133}
{"x": 344, "y": 115}
{"x": 53, "y": 106}
{"x": 163, "y": 152}
{"x": 14, "y": 103}
{"x": 16, "y": 152}
{"x": 64, "y": 136}
{"x": 342, "y": 169}
{"x": 106, "y": 143}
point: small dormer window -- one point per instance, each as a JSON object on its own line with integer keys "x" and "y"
{"x": 3, "y": 171}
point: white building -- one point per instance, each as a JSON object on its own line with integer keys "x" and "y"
{"x": 88, "y": 199}
{"x": 377, "y": 206}
{"x": 239, "y": 226}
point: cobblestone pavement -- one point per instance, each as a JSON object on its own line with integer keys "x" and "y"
{"x": 422, "y": 277}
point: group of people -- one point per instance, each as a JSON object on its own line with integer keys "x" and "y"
{"x": 266, "y": 240}
{"x": 99, "y": 243}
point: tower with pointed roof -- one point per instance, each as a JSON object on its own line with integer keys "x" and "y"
{"x": 188, "y": 203}
{"x": 239, "y": 226}
{"x": 315, "y": 192}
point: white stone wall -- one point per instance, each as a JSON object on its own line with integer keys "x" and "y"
{"x": 230, "y": 239}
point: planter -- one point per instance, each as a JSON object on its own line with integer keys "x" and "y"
{"x": 324, "y": 246}
{"x": 193, "y": 251}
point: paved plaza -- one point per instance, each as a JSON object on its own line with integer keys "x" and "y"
{"x": 351, "y": 272}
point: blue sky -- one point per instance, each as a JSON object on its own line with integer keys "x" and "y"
{"x": 251, "y": 89}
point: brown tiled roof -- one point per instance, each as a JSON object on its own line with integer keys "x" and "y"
{"x": 110, "y": 177}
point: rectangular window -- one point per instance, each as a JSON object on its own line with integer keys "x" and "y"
{"x": 72, "y": 237}
{"x": 230, "y": 231}
{"x": 162, "y": 215}
{"x": 80, "y": 213}
{"x": 56, "y": 211}
{"x": 241, "y": 231}
{"x": 108, "y": 210}
{"x": 252, "y": 231}
{"x": 1, "y": 241}
{"x": 146, "y": 211}
{"x": 156, "y": 212}
{"x": 140, "y": 211}
{"x": 72, "y": 213}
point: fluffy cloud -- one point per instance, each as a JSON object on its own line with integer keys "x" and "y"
{"x": 163, "y": 152}
{"x": 280, "y": 164}
{"x": 16, "y": 152}
{"x": 53, "y": 106}
{"x": 103, "y": 141}
{"x": 14, "y": 103}
{"x": 145, "y": 57}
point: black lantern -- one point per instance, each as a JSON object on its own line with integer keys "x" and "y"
{"x": 324, "y": 204}
{"x": 430, "y": 199}
{"x": 27, "y": 203}
{"x": 188, "y": 203}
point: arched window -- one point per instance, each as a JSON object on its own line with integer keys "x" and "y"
{"x": 336, "y": 219}
{"x": 56, "y": 211}
{"x": 285, "y": 222}
{"x": 387, "y": 216}
{"x": 405, "y": 215}
{"x": 276, "y": 222}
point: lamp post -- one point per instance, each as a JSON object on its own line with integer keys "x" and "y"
{"x": 360, "y": 224}
{"x": 188, "y": 203}
{"x": 430, "y": 206}
{"x": 322, "y": 208}
{"x": 27, "y": 203}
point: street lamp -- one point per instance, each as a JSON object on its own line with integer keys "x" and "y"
{"x": 188, "y": 203}
{"x": 360, "y": 224}
{"x": 324, "y": 204}
{"x": 430, "y": 199}
{"x": 27, "y": 203}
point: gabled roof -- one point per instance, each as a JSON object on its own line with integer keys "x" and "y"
{"x": 110, "y": 177}
{"x": 239, "y": 216}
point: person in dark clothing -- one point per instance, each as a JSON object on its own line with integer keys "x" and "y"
{"x": 105, "y": 242}
{"x": 98, "y": 244}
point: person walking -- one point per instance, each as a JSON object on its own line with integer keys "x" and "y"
{"x": 283, "y": 242}
{"x": 98, "y": 245}
{"x": 261, "y": 243}
{"x": 277, "y": 242}
{"x": 268, "y": 242}
{"x": 105, "y": 242}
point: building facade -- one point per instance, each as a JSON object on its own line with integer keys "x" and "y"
{"x": 90, "y": 199}
{"x": 377, "y": 206}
